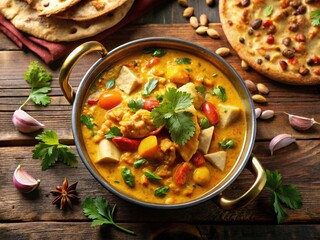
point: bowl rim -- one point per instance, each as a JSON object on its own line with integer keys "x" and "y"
{"x": 76, "y": 123}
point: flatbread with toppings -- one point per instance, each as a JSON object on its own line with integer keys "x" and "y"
{"x": 89, "y": 9}
{"x": 49, "y": 7}
{"x": 26, "y": 19}
{"x": 280, "y": 39}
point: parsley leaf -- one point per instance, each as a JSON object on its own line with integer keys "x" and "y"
{"x": 135, "y": 105}
{"x": 183, "y": 61}
{"x": 220, "y": 92}
{"x": 113, "y": 132}
{"x": 110, "y": 83}
{"x": 39, "y": 81}
{"x": 315, "y": 16}
{"x": 149, "y": 87}
{"x": 87, "y": 120}
{"x": 170, "y": 113}
{"x": 268, "y": 11}
{"x": 288, "y": 195}
{"x": 101, "y": 212}
{"x": 50, "y": 151}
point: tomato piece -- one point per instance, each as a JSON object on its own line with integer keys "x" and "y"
{"x": 126, "y": 144}
{"x": 110, "y": 99}
{"x": 267, "y": 23}
{"x": 270, "y": 39}
{"x": 153, "y": 62}
{"x": 150, "y": 104}
{"x": 181, "y": 174}
{"x": 211, "y": 112}
{"x": 198, "y": 159}
{"x": 92, "y": 101}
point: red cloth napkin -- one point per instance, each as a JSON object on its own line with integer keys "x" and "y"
{"x": 52, "y": 51}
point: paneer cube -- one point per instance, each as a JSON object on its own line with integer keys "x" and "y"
{"x": 127, "y": 81}
{"x": 205, "y": 138}
{"x": 228, "y": 114}
{"x": 108, "y": 152}
{"x": 217, "y": 159}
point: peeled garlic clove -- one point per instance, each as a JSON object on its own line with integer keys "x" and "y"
{"x": 301, "y": 123}
{"x": 23, "y": 181}
{"x": 258, "y": 112}
{"x": 24, "y": 122}
{"x": 280, "y": 141}
{"x": 267, "y": 114}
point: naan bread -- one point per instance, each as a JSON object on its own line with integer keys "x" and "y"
{"x": 89, "y": 9}
{"x": 26, "y": 19}
{"x": 49, "y": 7}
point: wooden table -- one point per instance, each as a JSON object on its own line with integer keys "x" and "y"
{"x": 32, "y": 216}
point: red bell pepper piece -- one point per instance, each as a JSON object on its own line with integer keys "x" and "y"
{"x": 126, "y": 144}
{"x": 181, "y": 174}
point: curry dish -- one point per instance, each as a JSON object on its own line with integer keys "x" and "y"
{"x": 163, "y": 126}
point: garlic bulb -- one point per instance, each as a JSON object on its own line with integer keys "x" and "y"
{"x": 23, "y": 181}
{"x": 301, "y": 123}
{"x": 280, "y": 141}
{"x": 25, "y": 123}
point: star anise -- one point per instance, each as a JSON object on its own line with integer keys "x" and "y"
{"x": 65, "y": 194}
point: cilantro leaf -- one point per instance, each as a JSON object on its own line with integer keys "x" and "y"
{"x": 100, "y": 212}
{"x": 152, "y": 176}
{"x": 315, "y": 16}
{"x": 183, "y": 61}
{"x": 220, "y": 92}
{"x": 282, "y": 194}
{"x": 170, "y": 113}
{"x": 87, "y": 120}
{"x": 135, "y": 105}
{"x": 40, "y": 97}
{"x": 201, "y": 89}
{"x": 268, "y": 11}
{"x": 50, "y": 151}
{"x": 204, "y": 123}
{"x": 161, "y": 191}
{"x": 113, "y": 132}
{"x": 149, "y": 87}
{"x": 110, "y": 83}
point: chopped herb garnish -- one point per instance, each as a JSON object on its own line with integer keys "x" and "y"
{"x": 87, "y": 120}
{"x": 201, "y": 89}
{"x": 110, "y": 83}
{"x": 189, "y": 69}
{"x": 113, "y": 132}
{"x": 100, "y": 212}
{"x": 149, "y": 87}
{"x": 139, "y": 162}
{"x": 227, "y": 143}
{"x": 155, "y": 52}
{"x": 152, "y": 176}
{"x": 135, "y": 105}
{"x": 183, "y": 61}
{"x": 161, "y": 191}
{"x": 127, "y": 177}
{"x": 204, "y": 123}
{"x": 220, "y": 92}
{"x": 288, "y": 195}
{"x": 268, "y": 11}
{"x": 315, "y": 16}
{"x": 170, "y": 114}
{"x": 50, "y": 151}
{"x": 116, "y": 181}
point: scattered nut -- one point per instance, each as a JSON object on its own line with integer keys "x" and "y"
{"x": 244, "y": 65}
{"x": 203, "y": 20}
{"x": 267, "y": 114}
{"x": 262, "y": 88}
{"x": 259, "y": 98}
{"x": 258, "y": 112}
{"x": 188, "y": 12}
{"x": 250, "y": 85}
{"x": 213, "y": 33}
{"x": 223, "y": 51}
{"x": 201, "y": 30}
{"x": 194, "y": 22}
{"x": 183, "y": 3}
{"x": 210, "y": 2}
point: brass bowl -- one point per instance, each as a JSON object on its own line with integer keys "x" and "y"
{"x": 108, "y": 58}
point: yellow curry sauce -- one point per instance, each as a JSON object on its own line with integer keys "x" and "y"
{"x": 145, "y": 78}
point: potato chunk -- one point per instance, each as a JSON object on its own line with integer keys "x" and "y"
{"x": 205, "y": 138}
{"x": 217, "y": 159}
{"x": 127, "y": 81}
{"x": 108, "y": 152}
{"x": 228, "y": 114}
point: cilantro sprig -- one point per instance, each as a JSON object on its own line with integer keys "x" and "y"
{"x": 39, "y": 80}
{"x": 287, "y": 195}
{"x": 171, "y": 114}
{"x": 100, "y": 211}
{"x": 50, "y": 151}
{"x": 315, "y": 16}
{"x": 88, "y": 121}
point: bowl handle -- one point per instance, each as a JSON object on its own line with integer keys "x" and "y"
{"x": 257, "y": 170}
{"x": 70, "y": 62}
